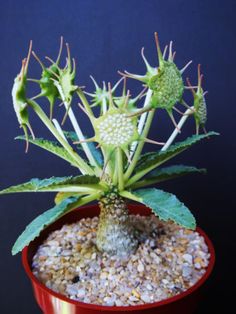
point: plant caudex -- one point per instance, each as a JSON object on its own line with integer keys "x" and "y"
{"x": 112, "y": 166}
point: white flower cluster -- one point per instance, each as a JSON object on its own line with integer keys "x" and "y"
{"x": 116, "y": 129}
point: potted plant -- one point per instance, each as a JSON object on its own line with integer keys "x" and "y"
{"x": 143, "y": 258}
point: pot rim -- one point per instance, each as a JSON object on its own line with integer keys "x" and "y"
{"x": 90, "y": 306}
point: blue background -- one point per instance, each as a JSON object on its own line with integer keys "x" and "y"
{"x": 106, "y": 36}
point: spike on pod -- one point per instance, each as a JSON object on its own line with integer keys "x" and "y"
{"x": 20, "y": 99}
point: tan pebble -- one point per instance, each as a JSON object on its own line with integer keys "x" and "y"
{"x": 103, "y": 275}
{"x": 135, "y": 293}
{"x": 42, "y": 258}
{"x": 82, "y": 233}
{"x": 78, "y": 247}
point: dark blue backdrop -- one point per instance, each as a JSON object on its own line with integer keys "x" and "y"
{"x": 106, "y": 36}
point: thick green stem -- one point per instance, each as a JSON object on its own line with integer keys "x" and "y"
{"x": 140, "y": 146}
{"x": 115, "y": 234}
{"x": 120, "y": 169}
{"x": 82, "y": 165}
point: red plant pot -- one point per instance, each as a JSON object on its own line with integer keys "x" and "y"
{"x": 54, "y": 303}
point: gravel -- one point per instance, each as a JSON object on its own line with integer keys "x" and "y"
{"x": 169, "y": 260}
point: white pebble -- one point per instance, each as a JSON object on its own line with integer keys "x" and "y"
{"x": 140, "y": 267}
{"x": 188, "y": 258}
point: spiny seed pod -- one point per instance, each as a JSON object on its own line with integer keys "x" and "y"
{"x": 46, "y": 84}
{"x": 57, "y": 83}
{"x": 101, "y": 95}
{"x": 126, "y": 102}
{"x": 65, "y": 81}
{"x": 165, "y": 81}
{"x": 20, "y": 99}
{"x": 114, "y": 129}
{"x": 199, "y": 103}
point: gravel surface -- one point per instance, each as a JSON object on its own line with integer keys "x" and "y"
{"x": 169, "y": 260}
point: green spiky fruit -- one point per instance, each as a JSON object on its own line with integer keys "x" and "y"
{"x": 167, "y": 85}
{"x": 116, "y": 129}
{"x": 200, "y": 109}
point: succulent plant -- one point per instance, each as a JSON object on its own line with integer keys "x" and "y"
{"x": 112, "y": 167}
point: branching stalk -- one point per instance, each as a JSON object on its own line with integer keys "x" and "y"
{"x": 142, "y": 173}
{"x": 82, "y": 165}
{"x": 78, "y": 132}
{"x": 140, "y": 145}
{"x": 185, "y": 116}
{"x": 141, "y": 121}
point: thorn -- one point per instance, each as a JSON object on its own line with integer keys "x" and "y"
{"x": 160, "y": 57}
{"x": 83, "y": 109}
{"x": 39, "y": 61}
{"x": 144, "y": 59}
{"x": 86, "y": 140}
{"x": 89, "y": 94}
{"x": 164, "y": 52}
{"x": 153, "y": 142}
{"x": 33, "y": 80}
{"x": 126, "y": 99}
{"x": 37, "y": 96}
{"x": 190, "y": 86}
{"x": 68, "y": 56}
{"x": 187, "y": 106}
{"x": 173, "y": 56}
{"x": 106, "y": 163}
{"x": 60, "y": 50}
{"x": 170, "y": 51}
{"x": 94, "y": 82}
{"x": 50, "y": 60}
{"x": 29, "y": 54}
{"x": 124, "y": 86}
{"x": 73, "y": 66}
{"x": 55, "y": 74}
{"x": 117, "y": 84}
{"x": 199, "y": 72}
{"x": 180, "y": 112}
{"x": 110, "y": 95}
{"x": 128, "y": 156}
{"x": 187, "y": 87}
{"x": 174, "y": 122}
{"x": 185, "y": 67}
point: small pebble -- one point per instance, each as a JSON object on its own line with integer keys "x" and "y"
{"x": 169, "y": 260}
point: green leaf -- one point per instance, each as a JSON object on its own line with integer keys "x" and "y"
{"x": 95, "y": 151}
{"x": 60, "y": 196}
{"x": 154, "y": 159}
{"x": 51, "y": 146}
{"x": 167, "y": 173}
{"x": 166, "y": 206}
{"x": 55, "y": 184}
{"x": 39, "y": 223}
